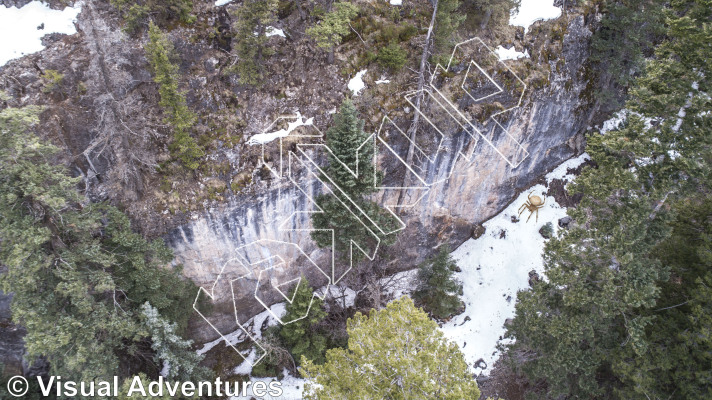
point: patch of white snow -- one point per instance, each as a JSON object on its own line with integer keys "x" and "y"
{"x": 20, "y": 27}
{"x": 495, "y": 267}
{"x": 272, "y": 31}
{"x": 561, "y": 172}
{"x": 510, "y": 54}
{"x": 262, "y": 138}
{"x": 219, "y": 3}
{"x": 356, "y": 83}
{"x": 396, "y": 2}
{"x": 531, "y": 11}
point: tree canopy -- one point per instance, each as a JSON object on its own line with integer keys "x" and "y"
{"x": 393, "y": 353}
{"x": 78, "y": 273}
{"x": 620, "y": 315}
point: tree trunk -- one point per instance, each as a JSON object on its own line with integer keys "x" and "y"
{"x": 421, "y": 82}
{"x": 331, "y": 55}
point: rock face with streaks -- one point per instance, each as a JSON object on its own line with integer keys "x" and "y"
{"x": 548, "y": 125}
{"x": 105, "y": 114}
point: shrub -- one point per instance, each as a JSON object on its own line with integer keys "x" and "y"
{"x": 392, "y": 57}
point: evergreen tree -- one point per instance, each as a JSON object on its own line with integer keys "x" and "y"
{"x": 252, "y": 19}
{"x": 329, "y": 31}
{"x": 394, "y": 353}
{"x": 77, "y": 272}
{"x": 674, "y": 359}
{"x": 610, "y": 320}
{"x": 126, "y": 386}
{"x": 179, "y": 361}
{"x": 627, "y": 32}
{"x": 179, "y": 116}
{"x": 447, "y": 20}
{"x": 135, "y": 13}
{"x": 300, "y": 332}
{"x": 437, "y": 291}
{"x": 351, "y": 170}
{"x": 392, "y": 57}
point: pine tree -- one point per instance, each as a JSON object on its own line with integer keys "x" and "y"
{"x": 173, "y": 352}
{"x": 300, "y": 332}
{"x": 674, "y": 359}
{"x": 609, "y": 321}
{"x": 252, "y": 19}
{"x": 437, "y": 291}
{"x": 329, "y": 31}
{"x": 353, "y": 176}
{"x": 626, "y": 35}
{"x": 447, "y": 20}
{"x": 394, "y": 353}
{"x": 135, "y": 13}
{"x": 179, "y": 116}
{"x": 77, "y": 272}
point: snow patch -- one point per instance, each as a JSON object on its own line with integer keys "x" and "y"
{"x": 343, "y": 295}
{"x": 495, "y": 267}
{"x": 531, "y": 11}
{"x": 262, "y": 138}
{"x": 510, "y": 54}
{"x": 272, "y": 31}
{"x": 561, "y": 172}
{"x": 380, "y": 81}
{"x": 356, "y": 83}
{"x": 614, "y": 122}
{"x": 219, "y": 3}
{"x": 396, "y": 2}
{"x": 19, "y": 27}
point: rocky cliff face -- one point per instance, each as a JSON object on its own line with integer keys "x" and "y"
{"x": 210, "y": 246}
{"x": 105, "y": 114}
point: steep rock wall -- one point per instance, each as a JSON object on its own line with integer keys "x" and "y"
{"x": 548, "y": 125}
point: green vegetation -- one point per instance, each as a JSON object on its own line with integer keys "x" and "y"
{"x": 343, "y": 138}
{"x": 53, "y": 80}
{"x": 78, "y": 272}
{"x": 627, "y": 33}
{"x": 301, "y": 336}
{"x": 625, "y": 310}
{"x": 333, "y": 27}
{"x": 438, "y": 292}
{"x": 447, "y": 20}
{"x": 165, "y": 74}
{"x": 252, "y": 19}
{"x": 392, "y": 57}
{"x": 394, "y": 353}
{"x": 136, "y": 13}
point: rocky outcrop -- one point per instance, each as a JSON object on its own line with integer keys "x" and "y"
{"x": 548, "y": 126}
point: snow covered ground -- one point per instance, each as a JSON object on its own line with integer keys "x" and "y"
{"x": 495, "y": 266}
{"x": 272, "y": 31}
{"x": 356, "y": 83}
{"x": 20, "y": 27}
{"x": 531, "y": 11}
{"x": 510, "y": 54}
